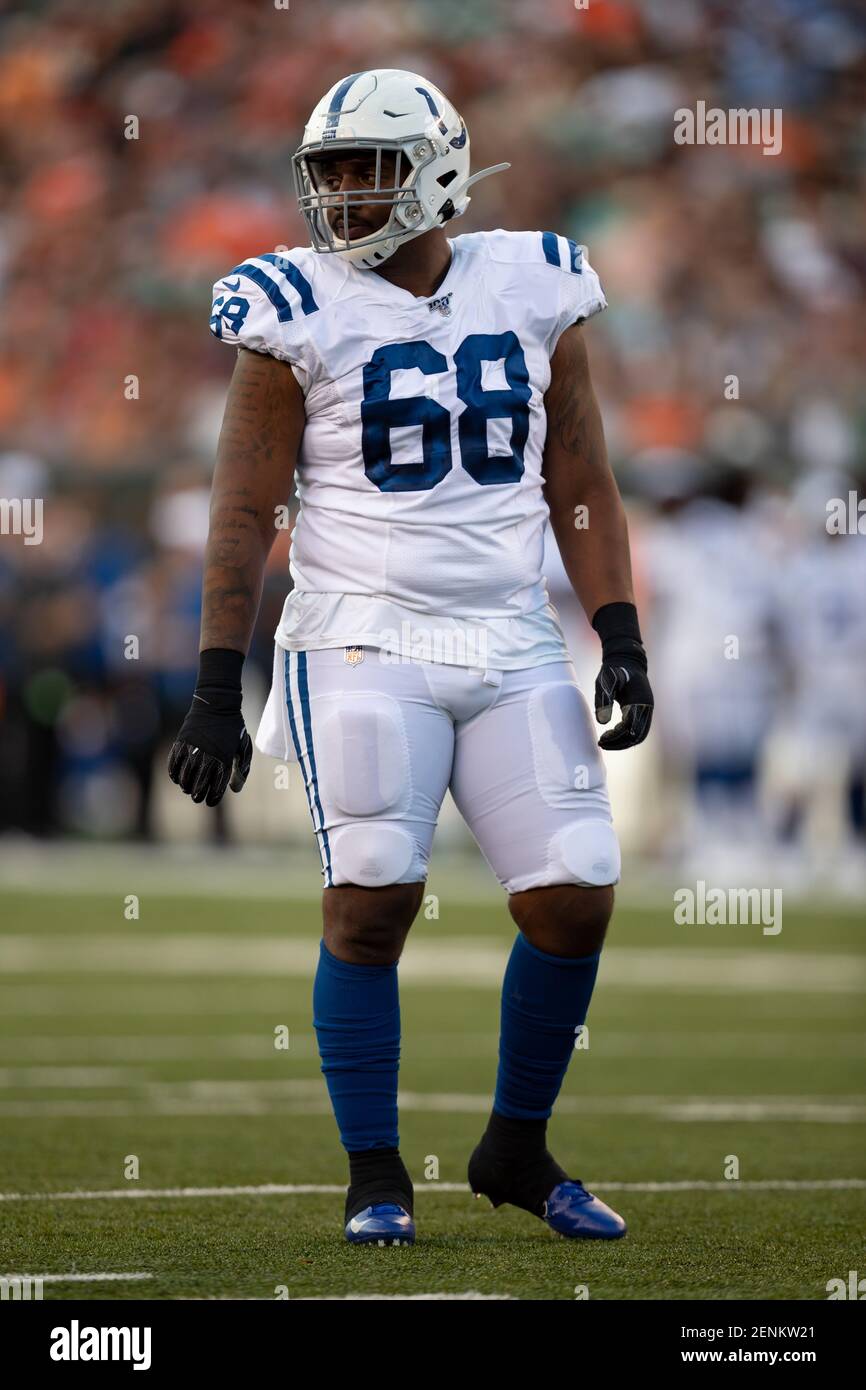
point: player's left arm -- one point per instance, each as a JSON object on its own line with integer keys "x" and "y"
{"x": 589, "y": 523}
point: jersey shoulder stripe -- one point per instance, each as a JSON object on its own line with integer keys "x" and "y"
{"x": 522, "y": 248}
{"x": 280, "y": 261}
{"x": 277, "y": 276}
{"x": 561, "y": 251}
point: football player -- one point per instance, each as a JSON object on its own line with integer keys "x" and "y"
{"x": 431, "y": 396}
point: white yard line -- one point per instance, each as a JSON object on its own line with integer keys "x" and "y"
{"x": 308, "y": 1096}
{"x": 277, "y": 872}
{"x": 220, "y": 1002}
{"x": 124, "y": 1049}
{"x": 333, "y": 1189}
{"x": 76, "y": 1278}
{"x": 69, "y": 1077}
{"x": 404, "y": 1297}
{"x": 450, "y": 961}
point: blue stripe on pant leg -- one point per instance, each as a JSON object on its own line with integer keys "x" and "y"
{"x": 308, "y": 767}
{"x": 304, "y": 692}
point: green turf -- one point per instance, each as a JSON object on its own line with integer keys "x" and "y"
{"x": 180, "y": 1070}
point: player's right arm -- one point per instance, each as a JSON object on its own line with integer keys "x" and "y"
{"x": 256, "y": 457}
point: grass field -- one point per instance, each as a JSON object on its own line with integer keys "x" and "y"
{"x": 154, "y": 1038}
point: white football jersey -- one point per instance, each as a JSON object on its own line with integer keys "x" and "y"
{"x": 419, "y": 472}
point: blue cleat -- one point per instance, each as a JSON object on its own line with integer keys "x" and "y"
{"x": 567, "y": 1208}
{"x": 383, "y": 1223}
{"x": 572, "y": 1211}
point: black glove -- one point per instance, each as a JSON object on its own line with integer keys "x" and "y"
{"x": 622, "y": 676}
{"x": 213, "y": 749}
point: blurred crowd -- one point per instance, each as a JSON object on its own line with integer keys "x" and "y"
{"x": 144, "y": 150}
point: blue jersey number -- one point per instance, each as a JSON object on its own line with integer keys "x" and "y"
{"x": 380, "y": 413}
{"x": 234, "y": 310}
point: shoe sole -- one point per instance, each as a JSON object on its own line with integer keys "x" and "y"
{"x": 381, "y": 1241}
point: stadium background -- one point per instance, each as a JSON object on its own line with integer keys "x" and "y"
{"x": 717, "y": 262}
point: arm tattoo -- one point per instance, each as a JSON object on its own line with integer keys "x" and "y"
{"x": 571, "y": 406}
{"x": 257, "y": 448}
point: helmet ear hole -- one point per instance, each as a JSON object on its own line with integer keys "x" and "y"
{"x": 445, "y": 179}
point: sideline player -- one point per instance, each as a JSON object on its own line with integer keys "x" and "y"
{"x": 432, "y": 398}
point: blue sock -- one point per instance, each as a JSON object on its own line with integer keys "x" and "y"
{"x": 544, "y": 1000}
{"x": 356, "y": 1015}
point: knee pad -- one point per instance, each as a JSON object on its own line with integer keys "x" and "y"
{"x": 364, "y": 756}
{"x": 371, "y": 854}
{"x": 587, "y": 851}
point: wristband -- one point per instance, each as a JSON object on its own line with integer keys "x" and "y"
{"x": 617, "y": 626}
{"x": 220, "y": 667}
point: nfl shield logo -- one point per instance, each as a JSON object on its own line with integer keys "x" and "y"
{"x": 353, "y": 656}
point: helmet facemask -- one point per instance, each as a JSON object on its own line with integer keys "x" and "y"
{"x": 399, "y": 194}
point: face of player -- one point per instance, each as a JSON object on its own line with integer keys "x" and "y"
{"x": 355, "y": 173}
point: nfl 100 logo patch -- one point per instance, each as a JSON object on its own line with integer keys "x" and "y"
{"x": 353, "y": 656}
{"x": 443, "y": 304}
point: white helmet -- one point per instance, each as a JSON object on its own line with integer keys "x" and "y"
{"x": 391, "y": 110}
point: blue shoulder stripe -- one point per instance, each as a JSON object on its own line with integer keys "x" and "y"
{"x": 298, "y": 281}
{"x": 271, "y": 288}
{"x": 550, "y": 242}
